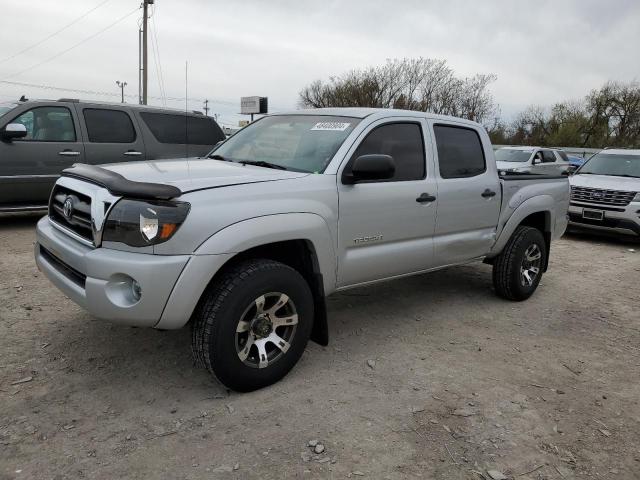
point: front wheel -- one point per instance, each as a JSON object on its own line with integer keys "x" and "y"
{"x": 518, "y": 269}
{"x": 253, "y": 324}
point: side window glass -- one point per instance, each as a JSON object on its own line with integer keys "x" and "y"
{"x": 460, "y": 152}
{"x": 108, "y": 126}
{"x": 548, "y": 156}
{"x": 402, "y": 141}
{"x": 167, "y": 128}
{"x": 47, "y": 124}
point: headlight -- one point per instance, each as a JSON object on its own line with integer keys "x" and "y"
{"x": 140, "y": 223}
{"x": 636, "y": 198}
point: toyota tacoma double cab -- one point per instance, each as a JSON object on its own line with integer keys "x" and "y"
{"x": 246, "y": 244}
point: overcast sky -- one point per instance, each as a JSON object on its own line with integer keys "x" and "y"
{"x": 541, "y": 51}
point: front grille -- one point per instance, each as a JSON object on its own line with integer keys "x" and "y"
{"x": 79, "y": 218}
{"x": 600, "y": 196}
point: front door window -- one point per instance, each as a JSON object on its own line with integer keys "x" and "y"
{"x": 47, "y": 124}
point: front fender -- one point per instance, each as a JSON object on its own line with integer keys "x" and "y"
{"x": 258, "y": 231}
{"x": 537, "y": 204}
{"x": 222, "y": 246}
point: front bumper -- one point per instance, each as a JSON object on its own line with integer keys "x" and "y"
{"x": 623, "y": 220}
{"x": 99, "y": 279}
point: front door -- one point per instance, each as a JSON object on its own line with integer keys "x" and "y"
{"x": 29, "y": 166}
{"x": 385, "y": 227}
{"x": 112, "y": 135}
{"x": 468, "y": 195}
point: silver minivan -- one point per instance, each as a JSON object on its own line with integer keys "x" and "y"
{"x": 547, "y": 161}
{"x": 40, "y": 138}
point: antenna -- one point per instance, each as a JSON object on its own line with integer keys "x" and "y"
{"x": 186, "y": 108}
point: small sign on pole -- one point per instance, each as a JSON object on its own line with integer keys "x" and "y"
{"x": 253, "y": 105}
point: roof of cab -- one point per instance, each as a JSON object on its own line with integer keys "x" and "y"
{"x": 361, "y": 112}
{"x": 621, "y": 151}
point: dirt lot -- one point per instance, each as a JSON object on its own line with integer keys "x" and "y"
{"x": 427, "y": 377}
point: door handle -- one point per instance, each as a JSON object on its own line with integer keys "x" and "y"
{"x": 132, "y": 153}
{"x": 425, "y": 198}
{"x": 69, "y": 153}
{"x": 488, "y": 193}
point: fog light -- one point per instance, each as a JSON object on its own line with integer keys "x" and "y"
{"x": 136, "y": 290}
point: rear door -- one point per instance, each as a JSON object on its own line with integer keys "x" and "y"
{"x": 111, "y": 135}
{"x": 385, "y": 228}
{"x": 29, "y": 166}
{"x": 468, "y": 193}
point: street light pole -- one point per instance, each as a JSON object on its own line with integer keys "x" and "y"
{"x": 121, "y": 85}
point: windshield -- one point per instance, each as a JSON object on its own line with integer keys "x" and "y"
{"x": 508, "y": 155}
{"x": 613, "y": 165}
{"x": 303, "y": 143}
{"x": 5, "y": 107}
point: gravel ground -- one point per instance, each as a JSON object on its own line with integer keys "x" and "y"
{"x": 427, "y": 377}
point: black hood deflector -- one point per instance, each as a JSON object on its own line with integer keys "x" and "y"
{"x": 119, "y": 185}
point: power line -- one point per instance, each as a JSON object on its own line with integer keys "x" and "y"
{"x": 194, "y": 100}
{"x": 31, "y": 47}
{"x": 90, "y": 37}
{"x": 112, "y": 94}
{"x": 156, "y": 56}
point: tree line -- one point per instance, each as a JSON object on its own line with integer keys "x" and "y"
{"x": 608, "y": 116}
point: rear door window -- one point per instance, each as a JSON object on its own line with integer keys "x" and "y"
{"x": 548, "y": 156}
{"x": 109, "y": 126}
{"x": 176, "y": 129}
{"x": 47, "y": 124}
{"x": 460, "y": 152}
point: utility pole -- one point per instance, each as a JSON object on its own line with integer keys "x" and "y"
{"x": 139, "y": 65}
{"x": 206, "y": 108}
{"x": 121, "y": 85}
{"x": 145, "y": 19}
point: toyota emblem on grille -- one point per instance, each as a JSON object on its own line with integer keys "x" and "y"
{"x": 67, "y": 208}
{"x": 596, "y": 195}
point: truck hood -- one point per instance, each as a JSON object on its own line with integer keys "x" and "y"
{"x": 190, "y": 174}
{"x": 606, "y": 182}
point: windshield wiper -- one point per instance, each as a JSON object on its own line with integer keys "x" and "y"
{"x": 215, "y": 156}
{"x": 262, "y": 163}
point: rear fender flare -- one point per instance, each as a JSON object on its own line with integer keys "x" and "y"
{"x": 537, "y": 204}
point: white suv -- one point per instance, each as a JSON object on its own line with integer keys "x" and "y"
{"x": 605, "y": 192}
{"x": 538, "y": 160}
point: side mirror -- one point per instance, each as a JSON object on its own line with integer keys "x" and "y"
{"x": 370, "y": 167}
{"x": 536, "y": 161}
{"x": 13, "y": 131}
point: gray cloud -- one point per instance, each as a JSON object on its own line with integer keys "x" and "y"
{"x": 542, "y": 51}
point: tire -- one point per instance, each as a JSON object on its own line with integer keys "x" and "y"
{"x": 512, "y": 272}
{"x": 239, "y": 312}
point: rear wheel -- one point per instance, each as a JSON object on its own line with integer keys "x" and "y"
{"x": 253, "y": 324}
{"x": 518, "y": 269}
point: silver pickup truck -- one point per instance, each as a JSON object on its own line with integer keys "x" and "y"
{"x": 246, "y": 244}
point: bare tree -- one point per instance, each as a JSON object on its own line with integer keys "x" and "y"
{"x": 422, "y": 84}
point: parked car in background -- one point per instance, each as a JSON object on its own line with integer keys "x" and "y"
{"x": 40, "y": 138}
{"x": 575, "y": 162}
{"x": 247, "y": 243}
{"x": 537, "y": 160}
{"x": 605, "y": 192}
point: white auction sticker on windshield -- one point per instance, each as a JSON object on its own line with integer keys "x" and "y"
{"x": 335, "y": 126}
